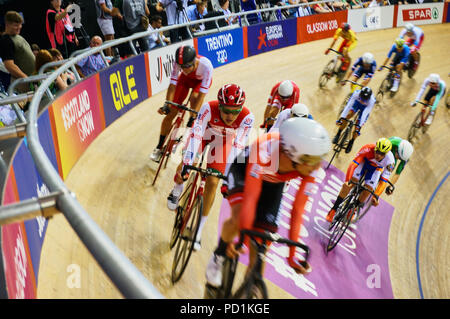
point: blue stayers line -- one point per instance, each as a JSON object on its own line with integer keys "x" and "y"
{"x": 420, "y": 230}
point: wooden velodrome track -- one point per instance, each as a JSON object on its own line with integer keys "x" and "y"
{"x": 112, "y": 179}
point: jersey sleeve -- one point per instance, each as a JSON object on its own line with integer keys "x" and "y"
{"x": 367, "y": 110}
{"x": 207, "y": 76}
{"x": 175, "y": 73}
{"x": 241, "y": 138}
{"x": 422, "y": 89}
{"x": 337, "y": 33}
{"x": 438, "y": 95}
{"x": 196, "y": 137}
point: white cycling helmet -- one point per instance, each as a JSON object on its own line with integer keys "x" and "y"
{"x": 409, "y": 27}
{"x": 299, "y": 110}
{"x": 367, "y": 58}
{"x": 434, "y": 78}
{"x": 405, "y": 150}
{"x": 301, "y": 136}
{"x": 286, "y": 89}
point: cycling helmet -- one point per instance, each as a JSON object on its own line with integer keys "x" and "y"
{"x": 367, "y": 58}
{"x": 285, "y": 89}
{"x": 345, "y": 26}
{"x": 231, "y": 95}
{"x": 434, "y": 78}
{"x": 383, "y": 145}
{"x": 299, "y": 110}
{"x": 365, "y": 93}
{"x": 399, "y": 42}
{"x": 185, "y": 55}
{"x": 301, "y": 136}
{"x": 405, "y": 150}
{"x": 409, "y": 27}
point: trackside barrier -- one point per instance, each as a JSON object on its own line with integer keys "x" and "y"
{"x": 62, "y": 132}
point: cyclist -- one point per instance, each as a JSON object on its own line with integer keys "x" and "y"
{"x": 377, "y": 162}
{"x": 255, "y": 185}
{"x": 399, "y": 60}
{"x": 189, "y": 72}
{"x": 348, "y": 43}
{"x": 282, "y": 96}
{"x": 297, "y": 110}
{"x": 434, "y": 94}
{"x": 362, "y": 100}
{"x": 415, "y": 37}
{"x": 402, "y": 150}
{"x": 224, "y": 124}
{"x": 365, "y": 64}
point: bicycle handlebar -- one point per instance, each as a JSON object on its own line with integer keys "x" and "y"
{"x": 274, "y": 237}
{"x": 388, "y": 67}
{"x": 424, "y": 104}
{"x": 355, "y": 83}
{"x": 372, "y": 191}
{"x": 353, "y": 117}
{"x": 181, "y": 107}
{"x": 339, "y": 53}
{"x": 206, "y": 172}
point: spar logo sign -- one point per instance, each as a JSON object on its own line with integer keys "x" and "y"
{"x": 418, "y": 14}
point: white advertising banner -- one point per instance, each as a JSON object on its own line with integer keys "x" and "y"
{"x": 370, "y": 19}
{"x": 160, "y": 62}
{"x": 427, "y": 13}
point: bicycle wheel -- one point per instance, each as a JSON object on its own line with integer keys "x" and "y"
{"x": 362, "y": 212}
{"x": 326, "y": 74}
{"x": 342, "y": 222}
{"x": 411, "y": 69}
{"x": 342, "y": 143}
{"x": 252, "y": 289}
{"x": 414, "y": 128}
{"x": 165, "y": 154}
{"x": 341, "y": 108}
{"x": 184, "y": 202}
{"x": 185, "y": 244}
{"x": 229, "y": 272}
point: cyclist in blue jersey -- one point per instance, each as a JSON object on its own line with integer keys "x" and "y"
{"x": 365, "y": 64}
{"x": 399, "y": 60}
{"x": 361, "y": 100}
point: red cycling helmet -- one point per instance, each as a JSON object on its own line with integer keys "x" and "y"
{"x": 231, "y": 95}
{"x": 345, "y": 26}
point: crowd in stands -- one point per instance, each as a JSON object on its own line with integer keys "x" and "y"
{"x": 122, "y": 18}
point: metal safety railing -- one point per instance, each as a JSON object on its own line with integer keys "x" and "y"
{"x": 125, "y": 276}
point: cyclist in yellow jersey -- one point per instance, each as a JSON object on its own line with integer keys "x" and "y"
{"x": 348, "y": 43}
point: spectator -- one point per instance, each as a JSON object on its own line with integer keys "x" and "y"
{"x": 224, "y": 7}
{"x": 60, "y": 31}
{"x": 120, "y": 30}
{"x": 44, "y": 57}
{"x": 321, "y": 8}
{"x": 197, "y": 12}
{"x": 35, "y": 48}
{"x": 67, "y": 75}
{"x": 92, "y": 63}
{"x": 156, "y": 9}
{"x": 156, "y": 39}
{"x": 15, "y": 51}
{"x": 339, "y": 5}
{"x": 105, "y": 13}
{"x": 249, "y": 5}
{"x": 175, "y": 15}
{"x": 375, "y": 3}
{"x": 135, "y": 14}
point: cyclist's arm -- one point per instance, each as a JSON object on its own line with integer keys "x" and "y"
{"x": 349, "y": 104}
{"x": 170, "y": 94}
{"x": 422, "y": 89}
{"x": 402, "y": 33}
{"x": 405, "y": 55}
{"x": 280, "y": 119}
{"x": 176, "y": 69}
{"x": 385, "y": 175}
{"x": 241, "y": 138}
{"x": 363, "y": 153}
{"x": 252, "y": 191}
{"x": 197, "y": 133}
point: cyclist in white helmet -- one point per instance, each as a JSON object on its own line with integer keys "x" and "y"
{"x": 282, "y": 96}
{"x": 414, "y": 37}
{"x": 402, "y": 151}
{"x": 255, "y": 185}
{"x": 436, "y": 90}
{"x": 298, "y": 110}
{"x": 365, "y": 64}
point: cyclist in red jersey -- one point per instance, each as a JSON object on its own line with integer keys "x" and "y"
{"x": 282, "y": 96}
{"x": 189, "y": 72}
{"x": 255, "y": 185}
{"x": 225, "y": 125}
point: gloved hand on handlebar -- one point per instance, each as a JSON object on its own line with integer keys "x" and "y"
{"x": 165, "y": 109}
{"x": 389, "y": 190}
{"x": 413, "y": 103}
{"x": 380, "y": 68}
{"x": 327, "y": 51}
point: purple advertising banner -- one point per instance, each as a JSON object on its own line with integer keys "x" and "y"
{"x": 271, "y": 36}
{"x": 123, "y": 86}
{"x": 356, "y": 268}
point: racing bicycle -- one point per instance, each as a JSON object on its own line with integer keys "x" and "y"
{"x": 187, "y": 218}
{"x": 347, "y": 98}
{"x": 419, "y": 122}
{"x": 387, "y": 84}
{"x": 344, "y": 138}
{"x": 253, "y": 286}
{"x": 174, "y": 137}
{"x": 333, "y": 68}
